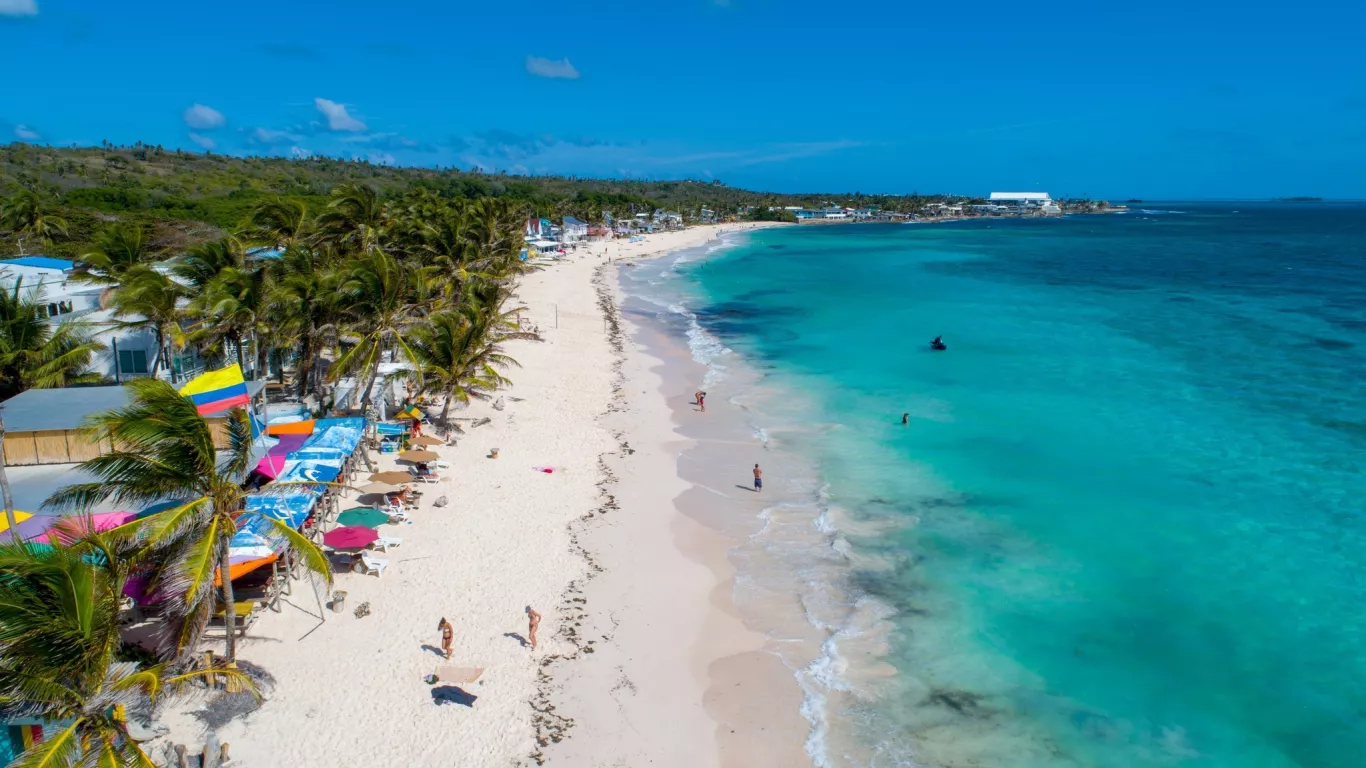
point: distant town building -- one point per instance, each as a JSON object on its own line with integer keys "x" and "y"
{"x": 574, "y": 230}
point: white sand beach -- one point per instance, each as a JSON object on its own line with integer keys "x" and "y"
{"x": 640, "y": 658}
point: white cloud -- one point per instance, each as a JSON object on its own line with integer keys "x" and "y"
{"x": 337, "y": 117}
{"x": 203, "y": 141}
{"x": 299, "y": 152}
{"x": 381, "y": 158}
{"x": 18, "y": 8}
{"x": 23, "y": 132}
{"x": 556, "y": 70}
{"x": 268, "y": 136}
{"x": 202, "y": 118}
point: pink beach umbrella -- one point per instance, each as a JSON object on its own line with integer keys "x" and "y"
{"x": 350, "y": 537}
{"x": 69, "y": 529}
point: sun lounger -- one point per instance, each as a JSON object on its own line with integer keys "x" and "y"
{"x": 368, "y": 565}
{"x": 429, "y": 479}
{"x": 246, "y": 616}
{"x": 384, "y": 542}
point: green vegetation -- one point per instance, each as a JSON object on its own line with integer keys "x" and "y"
{"x": 178, "y": 199}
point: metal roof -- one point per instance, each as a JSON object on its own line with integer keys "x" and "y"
{"x": 36, "y": 410}
{"x": 41, "y": 262}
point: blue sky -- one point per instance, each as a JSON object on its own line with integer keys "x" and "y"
{"x": 1153, "y": 100}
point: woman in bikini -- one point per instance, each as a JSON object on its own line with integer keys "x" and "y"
{"x": 446, "y": 634}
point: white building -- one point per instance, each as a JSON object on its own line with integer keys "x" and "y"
{"x": 574, "y": 230}
{"x": 131, "y": 351}
{"x": 1027, "y": 202}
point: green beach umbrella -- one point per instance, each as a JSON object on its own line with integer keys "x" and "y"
{"x": 368, "y": 517}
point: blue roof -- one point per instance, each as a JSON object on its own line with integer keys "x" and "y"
{"x": 42, "y": 262}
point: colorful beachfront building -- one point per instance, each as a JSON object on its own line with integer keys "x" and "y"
{"x": 574, "y": 230}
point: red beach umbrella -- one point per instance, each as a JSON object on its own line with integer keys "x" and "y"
{"x": 350, "y": 537}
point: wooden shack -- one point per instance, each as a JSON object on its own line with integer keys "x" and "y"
{"x": 44, "y": 426}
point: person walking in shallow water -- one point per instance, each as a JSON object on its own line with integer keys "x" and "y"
{"x": 701, "y": 398}
{"x": 758, "y": 479}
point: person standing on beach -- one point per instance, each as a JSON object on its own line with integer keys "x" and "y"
{"x": 701, "y": 398}
{"x": 446, "y": 634}
{"x": 533, "y": 621}
{"x": 758, "y": 479}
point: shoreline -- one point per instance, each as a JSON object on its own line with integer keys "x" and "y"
{"x": 677, "y": 678}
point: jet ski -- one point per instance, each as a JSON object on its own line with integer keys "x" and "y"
{"x": 937, "y": 344}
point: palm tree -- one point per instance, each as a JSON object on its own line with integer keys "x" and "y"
{"x": 153, "y": 300}
{"x": 304, "y": 300}
{"x": 386, "y": 298}
{"x": 355, "y": 218}
{"x": 26, "y": 216}
{"x": 228, "y": 296}
{"x": 115, "y": 249}
{"x": 279, "y": 221}
{"x": 59, "y": 644}
{"x": 164, "y": 450}
{"x": 37, "y": 351}
{"x": 460, "y": 353}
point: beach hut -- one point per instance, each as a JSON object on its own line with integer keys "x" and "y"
{"x": 43, "y": 426}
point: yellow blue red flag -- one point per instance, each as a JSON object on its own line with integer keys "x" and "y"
{"x": 217, "y": 390}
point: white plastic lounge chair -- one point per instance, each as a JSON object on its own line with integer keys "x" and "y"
{"x": 396, "y": 515}
{"x": 369, "y": 565}
{"x": 440, "y": 464}
{"x": 428, "y": 479}
{"x": 384, "y": 542}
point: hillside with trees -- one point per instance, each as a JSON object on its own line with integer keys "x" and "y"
{"x": 179, "y": 199}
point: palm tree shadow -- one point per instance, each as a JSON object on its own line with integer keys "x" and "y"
{"x": 434, "y": 649}
{"x": 516, "y": 637}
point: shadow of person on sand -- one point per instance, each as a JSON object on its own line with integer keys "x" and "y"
{"x": 451, "y": 694}
{"x": 516, "y": 637}
{"x": 434, "y": 649}
{"x": 745, "y": 488}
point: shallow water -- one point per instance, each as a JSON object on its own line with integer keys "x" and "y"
{"x": 1124, "y": 524}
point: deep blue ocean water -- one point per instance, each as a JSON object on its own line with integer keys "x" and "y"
{"x": 1124, "y": 526}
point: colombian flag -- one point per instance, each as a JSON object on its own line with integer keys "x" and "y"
{"x": 217, "y": 390}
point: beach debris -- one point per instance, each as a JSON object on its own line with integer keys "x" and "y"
{"x": 493, "y": 454}
{"x": 481, "y": 422}
{"x": 338, "y": 601}
{"x": 547, "y": 470}
{"x": 362, "y": 610}
{"x": 440, "y": 502}
{"x": 498, "y": 404}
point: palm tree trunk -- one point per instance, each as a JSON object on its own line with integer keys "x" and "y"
{"x": 161, "y": 351}
{"x": 241, "y": 360}
{"x": 229, "y": 608}
{"x": 445, "y": 409}
{"x": 370, "y": 385}
{"x": 4, "y": 488}
{"x": 305, "y": 365}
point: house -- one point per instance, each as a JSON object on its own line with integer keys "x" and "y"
{"x": 596, "y": 232}
{"x": 708, "y": 216}
{"x": 130, "y": 352}
{"x": 574, "y": 230}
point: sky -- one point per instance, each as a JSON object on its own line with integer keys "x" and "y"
{"x": 1161, "y": 100}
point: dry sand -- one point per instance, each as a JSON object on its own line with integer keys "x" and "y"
{"x": 642, "y": 660}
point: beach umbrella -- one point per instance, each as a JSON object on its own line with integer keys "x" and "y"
{"x": 366, "y": 516}
{"x": 393, "y": 477}
{"x": 411, "y": 413}
{"x": 350, "y": 537}
{"x": 19, "y": 517}
{"x": 426, "y": 440}
{"x": 237, "y": 568}
{"x": 68, "y": 529}
{"x": 419, "y": 456}
{"x": 369, "y": 488}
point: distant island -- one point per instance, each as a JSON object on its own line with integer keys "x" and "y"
{"x": 1299, "y": 199}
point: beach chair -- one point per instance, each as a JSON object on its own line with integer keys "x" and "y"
{"x": 384, "y": 542}
{"x": 246, "y": 616}
{"x": 368, "y": 565}
{"x": 428, "y": 479}
{"x": 441, "y": 464}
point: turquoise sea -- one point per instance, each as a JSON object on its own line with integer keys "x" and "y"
{"x": 1125, "y": 524}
